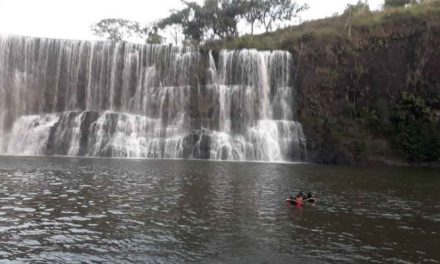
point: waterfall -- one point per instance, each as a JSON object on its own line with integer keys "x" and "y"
{"x": 82, "y": 98}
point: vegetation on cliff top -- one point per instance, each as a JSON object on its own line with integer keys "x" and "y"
{"x": 198, "y": 22}
{"x": 390, "y": 21}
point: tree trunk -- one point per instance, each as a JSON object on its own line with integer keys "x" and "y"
{"x": 267, "y": 27}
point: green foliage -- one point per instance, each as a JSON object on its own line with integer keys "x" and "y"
{"x": 358, "y": 8}
{"x": 331, "y": 31}
{"x": 189, "y": 19}
{"x": 213, "y": 19}
{"x": 270, "y": 12}
{"x": 154, "y": 37}
{"x": 218, "y": 19}
{"x": 364, "y": 116}
{"x": 253, "y": 12}
{"x": 115, "y": 29}
{"x": 370, "y": 119}
{"x": 416, "y": 132}
{"x": 360, "y": 149}
{"x": 349, "y": 111}
{"x": 396, "y": 3}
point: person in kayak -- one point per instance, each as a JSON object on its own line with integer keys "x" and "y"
{"x": 299, "y": 199}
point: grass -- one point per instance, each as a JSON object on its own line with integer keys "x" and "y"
{"x": 395, "y": 21}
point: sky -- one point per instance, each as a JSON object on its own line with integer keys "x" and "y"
{"x": 72, "y": 19}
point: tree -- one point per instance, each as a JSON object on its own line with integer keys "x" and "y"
{"x": 115, "y": 29}
{"x": 189, "y": 18}
{"x": 213, "y": 19}
{"x": 228, "y": 16}
{"x": 175, "y": 33}
{"x": 415, "y": 132}
{"x": 154, "y": 37}
{"x": 359, "y": 7}
{"x": 350, "y": 10}
{"x": 272, "y": 11}
{"x": 253, "y": 12}
{"x": 218, "y": 19}
{"x": 396, "y": 3}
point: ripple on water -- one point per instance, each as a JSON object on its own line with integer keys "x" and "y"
{"x": 69, "y": 212}
{"x": 33, "y": 232}
{"x": 30, "y": 243}
{"x": 116, "y": 212}
{"x": 68, "y": 257}
{"x": 7, "y": 207}
{"x": 9, "y": 198}
{"x": 73, "y": 218}
{"x": 61, "y": 239}
{"x": 82, "y": 231}
{"x": 96, "y": 216}
{"x": 433, "y": 217}
{"x": 24, "y": 209}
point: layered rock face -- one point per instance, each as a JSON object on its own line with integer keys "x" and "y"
{"x": 82, "y": 98}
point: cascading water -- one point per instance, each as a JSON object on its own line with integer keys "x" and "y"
{"x": 81, "y": 98}
{"x": 255, "y": 98}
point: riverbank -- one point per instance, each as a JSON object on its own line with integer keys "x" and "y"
{"x": 366, "y": 95}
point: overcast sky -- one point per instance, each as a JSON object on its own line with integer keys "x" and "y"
{"x": 71, "y": 19}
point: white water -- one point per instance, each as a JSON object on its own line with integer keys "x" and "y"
{"x": 29, "y": 134}
{"x": 128, "y": 100}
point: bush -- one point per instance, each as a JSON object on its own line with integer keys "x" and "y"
{"x": 396, "y": 3}
{"x": 416, "y": 133}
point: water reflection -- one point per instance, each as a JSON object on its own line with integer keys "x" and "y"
{"x": 92, "y": 210}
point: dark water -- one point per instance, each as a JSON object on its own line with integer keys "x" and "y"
{"x": 122, "y": 211}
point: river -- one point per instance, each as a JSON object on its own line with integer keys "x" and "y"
{"x": 73, "y": 210}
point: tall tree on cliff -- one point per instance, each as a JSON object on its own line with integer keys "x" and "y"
{"x": 115, "y": 29}
{"x": 190, "y": 19}
{"x": 222, "y": 17}
{"x": 358, "y": 8}
{"x": 277, "y": 11}
{"x": 351, "y": 10}
{"x": 218, "y": 19}
{"x": 253, "y": 12}
{"x": 213, "y": 19}
{"x": 154, "y": 37}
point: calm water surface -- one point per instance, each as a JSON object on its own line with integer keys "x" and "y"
{"x": 69, "y": 210}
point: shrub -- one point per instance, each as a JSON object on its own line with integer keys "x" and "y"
{"x": 416, "y": 133}
{"x": 396, "y": 3}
